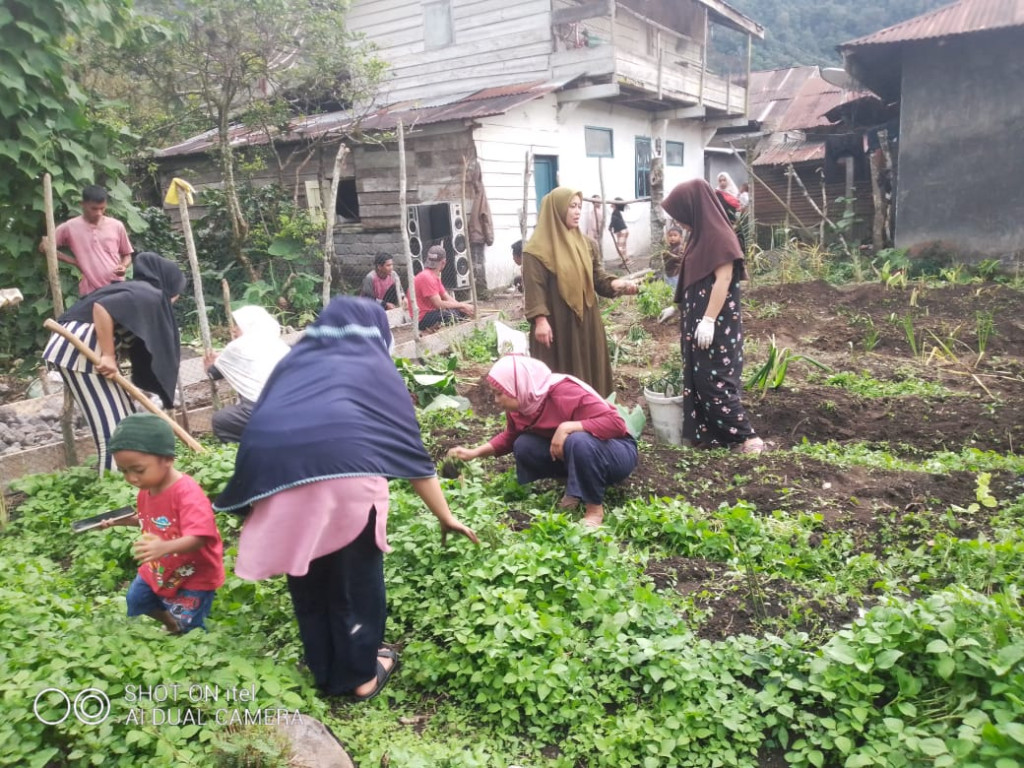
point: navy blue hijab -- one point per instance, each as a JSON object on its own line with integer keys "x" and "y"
{"x": 335, "y": 406}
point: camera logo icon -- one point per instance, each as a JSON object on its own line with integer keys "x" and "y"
{"x": 91, "y": 706}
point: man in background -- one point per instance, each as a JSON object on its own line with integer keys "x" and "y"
{"x": 98, "y": 244}
{"x": 435, "y": 306}
{"x": 381, "y": 283}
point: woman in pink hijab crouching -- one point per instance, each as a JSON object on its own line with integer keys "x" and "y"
{"x": 558, "y": 426}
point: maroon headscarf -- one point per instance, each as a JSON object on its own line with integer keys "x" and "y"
{"x": 712, "y": 240}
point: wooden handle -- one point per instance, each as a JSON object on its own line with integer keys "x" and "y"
{"x": 130, "y": 388}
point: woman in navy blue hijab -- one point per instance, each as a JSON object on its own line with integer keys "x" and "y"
{"x": 334, "y": 423}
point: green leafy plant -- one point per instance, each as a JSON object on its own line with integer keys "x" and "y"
{"x": 669, "y": 383}
{"x": 429, "y": 381}
{"x": 984, "y": 328}
{"x": 772, "y": 374}
{"x": 911, "y": 335}
{"x": 654, "y": 296}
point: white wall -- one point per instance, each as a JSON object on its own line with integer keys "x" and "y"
{"x": 502, "y": 142}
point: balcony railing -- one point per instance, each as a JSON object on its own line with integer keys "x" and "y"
{"x": 609, "y": 42}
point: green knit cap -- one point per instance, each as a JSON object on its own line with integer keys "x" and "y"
{"x": 145, "y": 433}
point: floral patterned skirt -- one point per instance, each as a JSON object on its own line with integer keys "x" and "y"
{"x": 713, "y": 378}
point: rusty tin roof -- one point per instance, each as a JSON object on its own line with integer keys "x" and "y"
{"x": 960, "y": 18}
{"x": 484, "y": 103}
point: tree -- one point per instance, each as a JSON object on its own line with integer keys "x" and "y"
{"x": 257, "y": 61}
{"x": 48, "y": 124}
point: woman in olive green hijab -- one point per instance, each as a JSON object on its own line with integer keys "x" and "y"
{"x": 562, "y": 273}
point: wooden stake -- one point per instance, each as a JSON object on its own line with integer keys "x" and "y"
{"x": 469, "y": 246}
{"x": 329, "y": 218}
{"x": 526, "y": 195}
{"x": 131, "y": 389}
{"x": 403, "y": 212}
{"x": 604, "y": 212}
{"x": 226, "y": 292}
{"x": 197, "y": 282}
{"x": 53, "y": 274}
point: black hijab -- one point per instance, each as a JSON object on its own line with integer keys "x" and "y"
{"x": 142, "y": 306}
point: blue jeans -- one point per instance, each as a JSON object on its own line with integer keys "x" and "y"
{"x": 189, "y": 607}
{"x": 589, "y": 465}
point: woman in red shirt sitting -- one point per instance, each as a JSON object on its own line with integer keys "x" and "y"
{"x": 558, "y": 426}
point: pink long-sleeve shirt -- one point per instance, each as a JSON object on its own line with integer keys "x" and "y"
{"x": 566, "y": 401}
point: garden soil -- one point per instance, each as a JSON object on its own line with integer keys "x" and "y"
{"x": 860, "y": 329}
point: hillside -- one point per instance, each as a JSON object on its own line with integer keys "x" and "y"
{"x": 808, "y": 31}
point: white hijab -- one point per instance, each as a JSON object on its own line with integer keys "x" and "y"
{"x": 730, "y": 185}
{"x": 248, "y": 361}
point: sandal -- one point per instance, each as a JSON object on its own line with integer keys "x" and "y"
{"x": 383, "y": 675}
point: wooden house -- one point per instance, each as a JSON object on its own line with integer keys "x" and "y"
{"x": 803, "y": 159}
{"x": 528, "y": 95}
{"x": 957, "y": 77}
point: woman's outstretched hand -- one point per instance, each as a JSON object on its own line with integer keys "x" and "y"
{"x": 454, "y": 526}
{"x": 625, "y": 287}
{"x": 462, "y": 453}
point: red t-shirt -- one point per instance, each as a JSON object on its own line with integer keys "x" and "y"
{"x": 181, "y": 510}
{"x": 427, "y": 283}
{"x": 566, "y": 401}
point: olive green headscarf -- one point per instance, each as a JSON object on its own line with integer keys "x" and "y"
{"x": 564, "y": 252}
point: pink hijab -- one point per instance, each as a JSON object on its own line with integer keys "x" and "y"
{"x": 528, "y": 381}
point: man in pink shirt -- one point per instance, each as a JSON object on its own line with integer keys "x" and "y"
{"x": 434, "y": 304}
{"x": 98, "y": 243}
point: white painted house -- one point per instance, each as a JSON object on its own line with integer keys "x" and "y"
{"x": 593, "y": 90}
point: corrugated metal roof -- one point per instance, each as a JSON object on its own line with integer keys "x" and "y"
{"x": 484, "y": 103}
{"x": 960, "y": 18}
{"x": 791, "y": 152}
{"x": 794, "y": 99}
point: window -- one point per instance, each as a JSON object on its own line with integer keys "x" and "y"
{"x": 438, "y": 30}
{"x": 643, "y": 166}
{"x": 673, "y": 153}
{"x": 347, "y": 204}
{"x": 598, "y": 141}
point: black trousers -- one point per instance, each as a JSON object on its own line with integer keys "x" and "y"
{"x": 341, "y": 608}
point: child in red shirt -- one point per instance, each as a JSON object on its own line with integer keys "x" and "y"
{"x": 181, "y": 561}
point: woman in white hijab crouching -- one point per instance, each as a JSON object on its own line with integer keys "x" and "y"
{"x": 246, "y": 363}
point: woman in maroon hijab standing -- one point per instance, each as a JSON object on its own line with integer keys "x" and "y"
{"x": 708, "y": 296}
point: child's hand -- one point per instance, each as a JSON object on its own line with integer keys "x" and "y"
{"x": 149, "y": 547}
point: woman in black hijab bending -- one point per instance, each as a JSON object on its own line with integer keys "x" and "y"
{"x": 708, "y": 294}
{"x": 134, "y": 321}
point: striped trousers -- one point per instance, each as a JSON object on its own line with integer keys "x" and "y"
{"x": 103, "y": 402}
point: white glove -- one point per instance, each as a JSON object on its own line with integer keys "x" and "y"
{"x": 668, "y": 313}
{"x": 705, "y": 332}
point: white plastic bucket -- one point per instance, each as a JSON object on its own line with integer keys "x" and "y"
{"x": 666, "y": 417}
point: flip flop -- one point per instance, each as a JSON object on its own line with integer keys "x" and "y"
{"x": 383, "y": 675}
{"x": 387, "y": 653}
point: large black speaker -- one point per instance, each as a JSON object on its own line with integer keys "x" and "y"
{"x": 442, "y": 224}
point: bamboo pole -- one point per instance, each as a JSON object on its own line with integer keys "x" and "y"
{"x": 329, "y": 217}
{"x": 225, "y": 290}
{"x": 131, "y": 389}
{"x": 197, "y": 280}
{"x": 403, "y": 212}
{"x": 465, "y": 222}
{"x": 526, "y": 195}
{"x": 604, "y": 212}
{"x": 67, "y": 410}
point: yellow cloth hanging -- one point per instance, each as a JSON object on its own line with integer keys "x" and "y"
{"x": 172, "y": 193}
